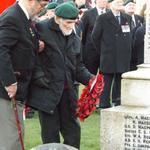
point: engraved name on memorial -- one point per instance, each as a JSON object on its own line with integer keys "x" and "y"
{"x": 136, "y": 132}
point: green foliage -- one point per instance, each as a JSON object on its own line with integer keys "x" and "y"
{"x": 89, "y": 139}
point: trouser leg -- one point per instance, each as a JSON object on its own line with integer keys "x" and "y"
{"x": 62, "y": 121}
{"x": 105, "y": 96}
{"x": 9, "y": 139}
{"x": 70, "y": 127}
{"x": 116, "y": 90}
{"x": 49, "y": 127}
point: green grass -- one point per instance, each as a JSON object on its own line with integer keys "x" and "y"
{"x": 89, "y": 128}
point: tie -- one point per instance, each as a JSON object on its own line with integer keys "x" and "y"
{"x": 102, "y": 11}
{"x": 118, "y": 19}
{"x": 133, "y": 24}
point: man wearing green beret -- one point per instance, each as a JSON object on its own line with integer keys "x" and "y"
{"x": 48, "y": 12}
{"x": 62, "y": 66}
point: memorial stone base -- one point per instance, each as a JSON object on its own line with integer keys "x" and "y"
{"x": 125, "y": 128}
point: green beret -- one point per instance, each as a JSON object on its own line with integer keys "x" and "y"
{"x": 67, "y": 10}
{"x": 109, "y": 1}
{"x": 128, "y": 1}
{"x": 51, "y": 5}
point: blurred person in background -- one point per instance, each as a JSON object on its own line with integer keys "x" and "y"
{"x": 137, "y": 21}
{"x": 112, "y": 39}
{"x": 89, "y": 53}
{"x": 138, "y": 42}
{"x": 48, "y": 12}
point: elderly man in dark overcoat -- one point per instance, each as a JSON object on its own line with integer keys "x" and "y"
{"x": 18, "y": 46}
{"x": 112, "y": 39}
{"x": 53, "y": 92}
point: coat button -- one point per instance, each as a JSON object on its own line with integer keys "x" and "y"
{"x": 51, "y": 112}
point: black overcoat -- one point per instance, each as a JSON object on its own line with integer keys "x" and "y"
{"x": 17, "y": 51}
{"x": 138, "y": 47}
{"x": 61, "y": 64}
{"x": 112, "y": 43}
{"x": 89, "y": 54}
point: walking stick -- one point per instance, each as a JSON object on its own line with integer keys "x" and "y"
{"x": 18, "y": 122}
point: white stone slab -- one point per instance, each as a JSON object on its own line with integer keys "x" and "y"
{"x": 135, "y": 87}
{"x": 143, "y": 73}
{"x": 135, "y": 92}
{"x": 125, "y": 128}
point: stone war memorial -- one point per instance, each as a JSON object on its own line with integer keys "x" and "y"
{"x": 127, "y": 127}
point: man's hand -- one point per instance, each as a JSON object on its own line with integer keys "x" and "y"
{"x": 11, "y": 90}
{"x": 41, "y": 46}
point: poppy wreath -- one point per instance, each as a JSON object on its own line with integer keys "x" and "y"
{"x": 90, "y": 97}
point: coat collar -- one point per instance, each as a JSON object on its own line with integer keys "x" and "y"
{"x": 112, "y": 19}
{"x": 52, "y": 25}
{"x": 22, "y": 14}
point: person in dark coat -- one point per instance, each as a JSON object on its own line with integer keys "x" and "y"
{"x": 112, "y": 38}
{"x": 89, "y": 53}
{"x": 137, "y": 21}
{"x": 18, "y": 46}
{"x": 130, "y": 8}
{"x": 55, "y": 96}
{"x": 138, "y": 46}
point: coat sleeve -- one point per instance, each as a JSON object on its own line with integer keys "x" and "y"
{"x": 96, "y": 34}
{"x": 84, "y": 24}
{"x": 138, "y": 46}
{"x": 82, "y": 74}
{"x": 9, "y": 35}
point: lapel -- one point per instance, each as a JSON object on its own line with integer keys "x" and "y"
{"x": 93, "y": 15}
{"x": 111, "y": 18}
{"x": 138, "y": 20}
{"x": 70, "y": 41}
{"x": 94, "y": 12}
{"x": 22, "y": 15}
{"x": 52, "y": 28}
{"x": 124, "y": 20}
{"x": 25, "y": 25}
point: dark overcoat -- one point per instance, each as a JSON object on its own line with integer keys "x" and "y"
{"x": 138, "y": 47}
{"x": 17, "y": 51}
{"x": 89, "y": 54}
{"x": 88, "y": 20}
{"x": 113, "y": 44}
{"x": 139, "y": 20}
{"x": 61, "y": 64}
